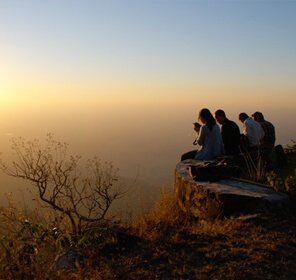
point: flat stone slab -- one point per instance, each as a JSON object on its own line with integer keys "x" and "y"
{"x": 225, "y": 197}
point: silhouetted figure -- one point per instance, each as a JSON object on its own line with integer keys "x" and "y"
{"x": 209, "y": 138}
{"x": 230, "y": 133}
{"x": 268, "y": 141}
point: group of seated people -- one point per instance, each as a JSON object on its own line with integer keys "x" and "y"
{"x": 257, "y": 135}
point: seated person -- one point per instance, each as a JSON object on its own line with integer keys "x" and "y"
{"x": 209, "y": 139}
{"x": 252, "y": 130}
{"x": 230, "y": 133}
{"x": 267, "y": 142}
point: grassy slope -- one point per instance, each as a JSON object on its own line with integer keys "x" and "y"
{"x": 166, "y": 244}
{"x": 173, "y": 246}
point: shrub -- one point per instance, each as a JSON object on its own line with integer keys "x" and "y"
{"x": 26, "y": 247}
{"x": 60, "y": 184}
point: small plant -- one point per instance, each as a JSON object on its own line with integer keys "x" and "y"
{"x": 256, "y": 170}
{"x": 280, "y": 184}
{"x": 291, "y": 146}
{"x": 275, "y": 181}
{"x": 96, "y": 235}
{"x": 284, "y": 179}
{"x": 290, "y": 183}
{"x": 20, "y": 251}
{"x": 28, "y": 249}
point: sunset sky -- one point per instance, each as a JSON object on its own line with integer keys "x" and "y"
{"x": 122, "y": 74}
{"x": 127, "y": 50}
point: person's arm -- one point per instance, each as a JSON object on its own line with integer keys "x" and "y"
{"x": 246, "y": 128}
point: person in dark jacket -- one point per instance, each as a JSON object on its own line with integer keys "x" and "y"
{"x": 230, "y": 133}
{"x": 268, "y": 141}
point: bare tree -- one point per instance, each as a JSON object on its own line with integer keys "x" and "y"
{"x": 83, "y": 197}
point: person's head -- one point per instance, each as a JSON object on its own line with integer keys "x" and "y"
{"x": 220, "y": 116}
{"x": 258, "y": 116}
{"x": 207, "y": 118}
{"x": 242, "y": 117}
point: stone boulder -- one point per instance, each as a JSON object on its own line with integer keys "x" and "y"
{"x": 225, "y": 197}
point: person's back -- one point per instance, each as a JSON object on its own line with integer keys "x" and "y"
{"x": 230, "y": 133}
{"x": 268, "y": 140}
{"x": 252, "y": 130}
{"x": 209, "y": 138}
{"x": 211, "y": 142}
{"x": 231, "y": 137}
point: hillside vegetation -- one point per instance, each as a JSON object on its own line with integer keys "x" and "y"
{"x": 164, "y": 243}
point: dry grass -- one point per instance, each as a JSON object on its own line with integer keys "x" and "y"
{"x": 167, "y": 244}
{"x": 165, "y": 217}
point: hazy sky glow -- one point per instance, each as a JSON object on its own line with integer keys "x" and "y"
{"x": 131, "y": 76}
{"x": 118, "y": 47}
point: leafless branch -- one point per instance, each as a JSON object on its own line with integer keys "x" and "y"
{"x": 60, "y": 184}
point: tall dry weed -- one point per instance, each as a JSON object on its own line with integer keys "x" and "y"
{"x": 255, "y": 167}
{"x": 166, "y": 217}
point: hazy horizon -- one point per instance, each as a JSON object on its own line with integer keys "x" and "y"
{"x": 145, "y": 141}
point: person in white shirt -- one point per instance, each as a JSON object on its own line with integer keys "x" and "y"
{"x": 252, "y": 130}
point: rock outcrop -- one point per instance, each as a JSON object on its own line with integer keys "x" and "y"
{"x": 224, "y": 197}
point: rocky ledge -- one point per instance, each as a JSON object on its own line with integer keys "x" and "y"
{"x": 225, "y": 197}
